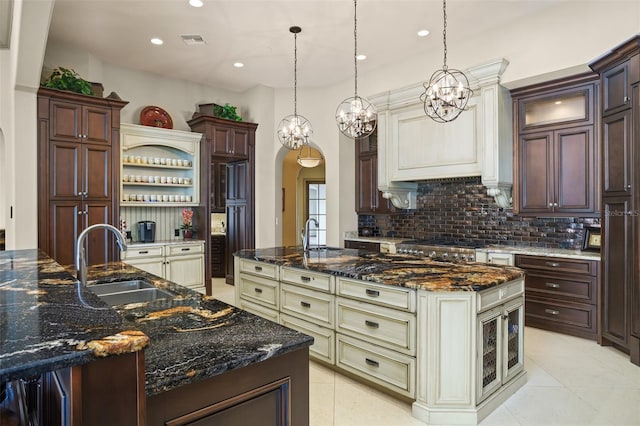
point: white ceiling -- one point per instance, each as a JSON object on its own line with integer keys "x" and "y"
{"x": 257, "y": 34}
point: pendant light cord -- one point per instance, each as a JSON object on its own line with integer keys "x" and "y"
{"x": 444, "y": 32}
{"x": 295, "y": 74}
{"x": 355, "y": 45}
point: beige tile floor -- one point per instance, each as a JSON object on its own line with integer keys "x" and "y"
{"x": 570, "y": 381}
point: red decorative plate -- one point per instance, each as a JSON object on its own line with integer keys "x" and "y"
{"x": 155, "y": 117}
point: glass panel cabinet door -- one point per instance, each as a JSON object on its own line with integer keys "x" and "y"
{"x": 489, "y": 354}
{"x": 573, "y": 106}
{"x": 513, "y": 333}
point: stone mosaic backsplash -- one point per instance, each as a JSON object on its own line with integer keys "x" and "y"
{"x": 460, "y": 209}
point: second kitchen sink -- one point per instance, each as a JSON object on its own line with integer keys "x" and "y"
{"x": 132, "y": 291}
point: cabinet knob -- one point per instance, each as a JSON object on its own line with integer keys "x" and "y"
{"x": 555, "y": 204}
{"x": 79, "y": 194}
{"x": 550, "y": 204}
{"x": 626, "y": 99}
{"x": 628, "y": 186}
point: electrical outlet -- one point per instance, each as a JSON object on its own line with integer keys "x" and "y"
{"x": 176, "y": 233}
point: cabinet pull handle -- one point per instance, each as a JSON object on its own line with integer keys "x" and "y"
{"x": 186, "y": 249}
{"x": 258, "y": 290}
{"x": 306, "y": 279}
{"x": 305, "y": 304}
{"x": 143, "y": 252}
{"x": 553, "y": 264}
{"x": 372, "y": 293}
{"x": 551, "y": 311}
{"x": 372, "y": 362}
{"x": 258, "y": 268}
{"x": 371, "y": 324}
{"x": 552, "y": 285}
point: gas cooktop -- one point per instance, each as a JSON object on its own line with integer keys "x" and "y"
{"x": 444, "y": 242}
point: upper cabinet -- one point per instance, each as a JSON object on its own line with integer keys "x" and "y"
{"x": 368, "y": 198}
{"x": 556, "y": 150}
{"x": 160, "y": 167}
{"x": 78, "y": 143}
{"x": 226, "y": 138}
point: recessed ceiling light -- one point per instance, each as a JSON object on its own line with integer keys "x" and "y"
{"x": 157, "y": 41}
{"x": 238, "y": 64}
{"x": 361, "y": 57}
{"x": 196, "y": 3}
{"x": 423, "y": 33}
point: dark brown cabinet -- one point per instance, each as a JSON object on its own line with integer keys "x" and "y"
{"x": 228, "y": 169}
{"x": 557, "y": 161}
{"x": 218, "y": 186}
{"x": 362, "y": 245}
{"x": 561, "y": 294}
{"x": 218, "y": 256}
{"x": 368, "y": 198}
{"x": 620, "y": 295}
{"x": 78, "y": 145}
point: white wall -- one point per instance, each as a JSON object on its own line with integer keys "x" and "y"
{"x": 560, "y": 39}
{"x": 20, "y": 68}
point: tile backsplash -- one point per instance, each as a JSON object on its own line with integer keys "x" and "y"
{"x": 460, "y": 209}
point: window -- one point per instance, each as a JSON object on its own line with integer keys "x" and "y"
{"x": 317, "y": 209}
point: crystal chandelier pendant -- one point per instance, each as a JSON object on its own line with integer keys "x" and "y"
{"x": 448, "y": 92}
{"x": 356, "y": 117}
{"x": 446, "y": 95}
{"x": 294, "y": 131}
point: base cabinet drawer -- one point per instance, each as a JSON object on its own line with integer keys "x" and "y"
{"x": 578, "y": 289}
{"x": 312, "y": 280}
{"x": 308, "y": 304}
{"x": 260, "y": 269}
{"x": 383, "y": 295}
{"x": 561, "y": 316}
{"x": 388, "y": 327}
{"x": 387, "y": 368}
{"x": 324, "y": 340}
{"x": 259, "y": 290}
{"x": 260, "y": 310}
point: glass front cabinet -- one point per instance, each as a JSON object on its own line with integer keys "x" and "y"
{"x": 500, "y": 346}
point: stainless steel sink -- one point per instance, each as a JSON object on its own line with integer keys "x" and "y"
{"x": 119, "y": 286}
{"x": 125, "y": 292}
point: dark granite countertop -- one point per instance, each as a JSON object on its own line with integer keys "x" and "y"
{"x": 392, "y": 269}
{"x": 191, "y": 337}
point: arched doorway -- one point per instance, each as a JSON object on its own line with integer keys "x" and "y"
{"x": 302, "y": 195}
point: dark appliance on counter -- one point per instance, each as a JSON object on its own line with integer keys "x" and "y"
{"x": 450, "y": 250}
{"x": 146, "y": 231}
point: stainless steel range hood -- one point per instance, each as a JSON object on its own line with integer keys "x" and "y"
{"x": 412, "y": 147}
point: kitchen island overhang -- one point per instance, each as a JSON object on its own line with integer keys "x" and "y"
{"x": 447, "y": 335}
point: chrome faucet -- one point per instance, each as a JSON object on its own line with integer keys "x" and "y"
{"x": 81, "y": 263}
{"x": 305, "y": 233}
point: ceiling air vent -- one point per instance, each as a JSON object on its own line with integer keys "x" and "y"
{"x": 192, "y": 39}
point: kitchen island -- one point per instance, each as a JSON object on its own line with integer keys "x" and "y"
{"x": 445, "y": 335}
{"x": 194, "y": 357}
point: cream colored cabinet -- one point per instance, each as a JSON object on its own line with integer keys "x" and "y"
{"x": 495, "y": 258}
{"x": 159, "y": 167}
{"x": 470, "y": 355}
{"x": 181, "y": 263}
{"x": 257, "y": 288}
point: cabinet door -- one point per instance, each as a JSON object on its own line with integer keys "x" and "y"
{"x": 100, "y": 242}
{"x": 536, "y": 173}
{"x": 186, "y": 270}
{"x": 617, "y": 274}
{"x": 219, "y": 137}
{"x": 96, "y": 172}
{"x": 237, "y": 235}
{"x": 366, "y": 184}
{"x": 489, "y": 356}
{"x": 65, "y": 171}
{"x": 237, "y": 176}
{"x": 615, "y": 88}
{"x": 575, "y": 170}
{"x": 65, "y": 121}
{"x": 65, "y": 223}
{"x": 218, "y": 173}
{"x": 512, "y": 339}
{"x": 616, "y": 151}
{"x": 153, "y": 265}
{"x": 96, "y": 125}
{"x": 239, "y": 143}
